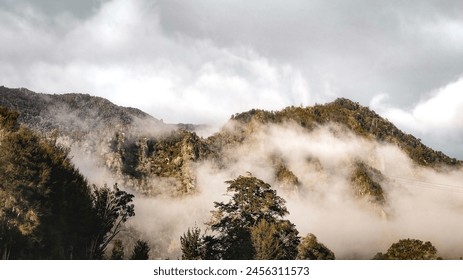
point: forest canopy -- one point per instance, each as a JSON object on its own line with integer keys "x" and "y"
{"x": 49, "y": 211}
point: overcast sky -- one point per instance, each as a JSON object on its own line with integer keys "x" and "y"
{"x": 200, "y": 61}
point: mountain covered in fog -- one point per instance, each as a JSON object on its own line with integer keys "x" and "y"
{"x": 332, "y": 163}
{"x": 137, "y": 146}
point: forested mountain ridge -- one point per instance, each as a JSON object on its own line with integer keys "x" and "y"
{"x": 358, "y": 119}
{"x": 67, "y": 112}
{"x": 339, "y": 155}
{"x": 137, "y": 147}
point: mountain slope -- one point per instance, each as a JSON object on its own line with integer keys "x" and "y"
{"x": 358, "y": 119}
{"x": 344, "y": 170}
{"x": 68, "y": 112}
{"x": 139, "y": 149}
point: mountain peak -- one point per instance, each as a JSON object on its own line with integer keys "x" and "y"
{"x": 359, "y": 119}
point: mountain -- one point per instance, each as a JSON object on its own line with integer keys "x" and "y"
{"x": 333, "y": 163}
{"x": 137, "y": 147}
{"x": 358, "y": 119}
{"x": 122, "y": 138}
{"x": 68, "y": 112}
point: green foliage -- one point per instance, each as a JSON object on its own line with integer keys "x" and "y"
{"x": 252, "y": 202}
{"x": 274, "y": 241}
{"x": 359, "y": 119}
{"x": 38, "y": 111}
{"x": 117, "y": 252}
{"x": 409, "y": 249}
{"x": 8, "y": 119}
{"x": 48, "y": 210}
{"x": 364, "y": 180}
{"x": 165, "y": 156}
{"x": 141, "y": 251}
{"x": 311, "y": 249}
{"x": 45, "y": 199}
{"x": 192, "y": 245}
{"x": 285, "y": 176}
{"x": 112, "y": 207}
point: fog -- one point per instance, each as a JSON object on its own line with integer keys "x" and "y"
{"x": 420, "y": 203}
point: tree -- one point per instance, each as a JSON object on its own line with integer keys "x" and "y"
{"x": 252, "y": 201}
{"x": 47, "y": 209}
{"x": 45, "y": 201}
{"x": 265, "y": 242}
{"x": 141, "y": 251}
{"x": 111, "y": 208}
{"x": 117, "y": 253}
{"x": 192, "y": 245}
{"x": 274, "y": 241}
{"x": 311, "y": 249}
{"x": 409, "y": 249}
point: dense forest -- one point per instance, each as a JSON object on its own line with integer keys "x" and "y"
{"x": 48, "y": 209}
{"x": 51, "y": 210}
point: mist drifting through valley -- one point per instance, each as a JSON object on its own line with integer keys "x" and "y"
{"x": 420, "y": 202}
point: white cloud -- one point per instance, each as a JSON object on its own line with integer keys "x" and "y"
{"x": 201, "y": 62}
{"x": 123, "y": 54}
{"x": 439, "y": 117}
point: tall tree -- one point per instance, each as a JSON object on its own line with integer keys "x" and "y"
{"x": 45, "y": 199}
{"x": 48, "y": 210}
{"x": 252, "y": 201}
{"x": 112, "y": 207}
{"x": 141, "y": 251}
{"x": 192, "y": 245}
{"x": 117, "y": 252}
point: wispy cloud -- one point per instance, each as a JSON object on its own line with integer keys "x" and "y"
{"x": 438, "y": 118}
{"x": 201, "y": 61}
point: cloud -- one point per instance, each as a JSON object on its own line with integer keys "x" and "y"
{"x": 437, "y": 118}
{"x": 420, "y": 202}
{"x": 123, "y": 54}
{"x": 360, "y": 48}
{"x": 201, "y": 61}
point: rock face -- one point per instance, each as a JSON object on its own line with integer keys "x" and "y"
{"x": 156, "y": 158}
{"x": 365, "y": 182}
{"x": 143, "y": 152}
{"x": 168, "y": 158}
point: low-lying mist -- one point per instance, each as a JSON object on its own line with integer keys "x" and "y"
{"x": 420, "y": 203}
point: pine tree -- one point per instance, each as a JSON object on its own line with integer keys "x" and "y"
{"x": 117, "y": 253}
{"x": 192, "y": 245}
{"x": 141, "y": 251}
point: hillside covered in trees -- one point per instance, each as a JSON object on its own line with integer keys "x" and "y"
{"x": 48, "y": 209}
{"x": 314, "y": 168}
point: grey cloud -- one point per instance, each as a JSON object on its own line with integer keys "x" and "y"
{"x": 361, "y": 47}
{"x": 81, "y": 8}
{"x": 203, "y": 60}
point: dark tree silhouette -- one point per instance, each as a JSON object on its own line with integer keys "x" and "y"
{"x": 117, "y": 252}
{"x": 192, "y": 245}
{"x": 233, "y": 222}
{"x": 141, "y": 251}
{"x": 112, "y": 208}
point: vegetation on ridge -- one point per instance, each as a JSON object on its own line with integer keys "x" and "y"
{"x": 359, "y": 119}
{"x": 48, "y": 210}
